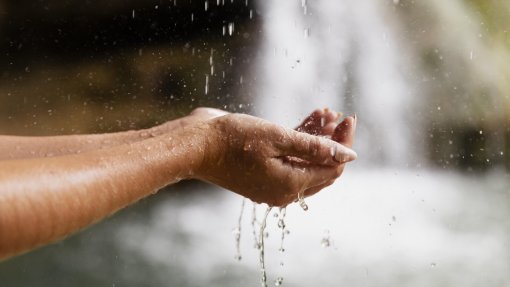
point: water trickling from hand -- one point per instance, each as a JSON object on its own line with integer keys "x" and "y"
{"x": 237, "y": 232}
{"x": 261, "y": 247}
{"x": 301, "y": 200}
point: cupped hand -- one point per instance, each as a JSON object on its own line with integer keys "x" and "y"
{"x": 268, "y": 163}
{"x": 342, "y": 133}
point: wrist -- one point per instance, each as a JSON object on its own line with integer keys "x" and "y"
{"x": 210, "y": 140}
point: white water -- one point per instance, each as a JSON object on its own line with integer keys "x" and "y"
{"x": 386, "y": 227}
{"x": 343, "y": 55}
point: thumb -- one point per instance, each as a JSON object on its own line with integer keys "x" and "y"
{"x": 317, "y": 149}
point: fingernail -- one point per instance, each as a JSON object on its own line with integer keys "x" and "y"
{"x": 343, "y": 154}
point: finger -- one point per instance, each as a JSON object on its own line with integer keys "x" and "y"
{"x": 328, "y": 129}
{"x": 312, "y": 123}
{"x": 344, "y": 132}
{"x": 330, "y": 116}
{"x": 313, "y": 190}
{"x": 320, "y": 175}
{"x": 316, "y": 188}
{"x": 315, "y": 149}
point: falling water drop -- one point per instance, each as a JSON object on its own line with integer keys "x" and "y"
{"x": 230, "y": 28}
{"x": 206, "y": 5}
{"x": 206, "y": 84}
{"x": 306, "y": 32}
{"x": 301, "y": 200}
{"x": 133, "y": 14}
{"x": 326, "y": 240}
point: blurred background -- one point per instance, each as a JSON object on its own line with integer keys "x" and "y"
{"x": 427, "y": 203}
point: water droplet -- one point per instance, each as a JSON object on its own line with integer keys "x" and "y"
{"x": 206, "y": 84}
{"x": 278, "y": 281}
{"x": 133, "y": 14}
{"x": 433, "y": 264}
{"x": 306, "y": 32}
{"x": 230, "y": 28}
{"x": 301, "y": 200}
{"x": 206, "y": 5}
{"x": 326, "y": 240}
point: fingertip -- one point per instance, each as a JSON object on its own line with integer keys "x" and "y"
{"x": 317, "y": 113}
{"x": 342, "y": 154}
{"x": 330, "y": 116}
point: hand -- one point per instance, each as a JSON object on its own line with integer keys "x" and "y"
{"x": 324, "y": 123}
{"x": 268, "y": 163}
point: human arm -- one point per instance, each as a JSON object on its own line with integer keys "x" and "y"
{"x": 45, "y": 199}
{"x": 19, "y": 147}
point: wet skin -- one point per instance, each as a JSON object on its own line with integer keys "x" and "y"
{"x": 85, "y": 178}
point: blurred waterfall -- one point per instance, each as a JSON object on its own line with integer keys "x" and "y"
{"x": 343, "y": 55}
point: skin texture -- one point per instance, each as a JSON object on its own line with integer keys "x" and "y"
{"x": 54, "y": 186}
{"x": 16, "y": 147}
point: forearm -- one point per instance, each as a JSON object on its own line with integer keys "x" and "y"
{"x": 19, "y": 147}
{"x": 42, "y": 200}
